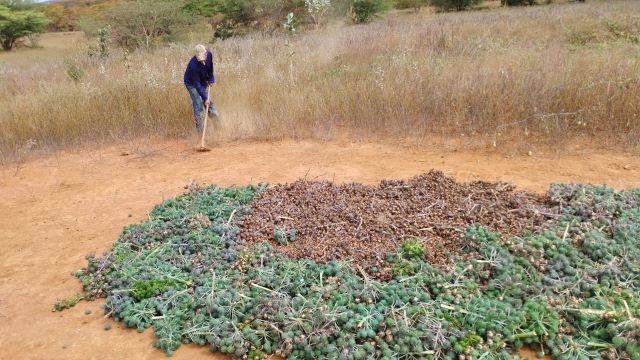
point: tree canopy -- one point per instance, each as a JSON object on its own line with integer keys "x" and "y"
{"x": 15, "y": 24}
{"x": 17, "y": 4}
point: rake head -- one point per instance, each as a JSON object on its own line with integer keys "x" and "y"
{"x": 202, "y": 149}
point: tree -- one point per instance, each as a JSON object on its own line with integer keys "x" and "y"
{"x": 15, "y": 24}
{"x": 17, "y": 4}
{"x": 61, "y": 16}
{"x": 142, "y": 23}
{"x": 317, "y": 10}
{"x": 66, "y": 15}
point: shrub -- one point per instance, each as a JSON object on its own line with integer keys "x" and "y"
{"x": 235, "y": 17}
{"x": 318, "y": 10}
{"x": 290, "y": 24}
{"x": 629, "y": 32}
{"x": 237, "y": 11}
{"x": 582, "y": 37}
{"x": 517, "y": 2}
{"x": 206, "y": 8}
{"x": 103, "y": 42}
{"x": 140, "y": 23}
{"x": 363, "y": 11}
{"x": 458, "y": 5}
{"x": 34, "y": 40}
{"x": 410, "y": 4}
{"x": 224, "y": 30}
{"x": 74, "y": 70}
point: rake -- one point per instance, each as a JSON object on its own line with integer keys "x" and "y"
{"x": 203, "y": 148}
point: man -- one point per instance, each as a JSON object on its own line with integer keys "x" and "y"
{"x": 197, "y": 78}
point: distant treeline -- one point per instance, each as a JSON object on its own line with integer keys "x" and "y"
{"x": 235, "y": 16}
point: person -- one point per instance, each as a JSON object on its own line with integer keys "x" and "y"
{"x": 197, "y": 78}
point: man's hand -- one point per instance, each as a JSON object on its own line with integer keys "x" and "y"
{"x": 206, "y": 103}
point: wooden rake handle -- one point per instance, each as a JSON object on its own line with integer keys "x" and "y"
{"x": 206, "y": 117}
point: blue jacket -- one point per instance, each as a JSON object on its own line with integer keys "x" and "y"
{"x": 199, "y": 76}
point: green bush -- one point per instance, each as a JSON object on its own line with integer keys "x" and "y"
{"x": 224, "y": 30}
{"x": 410, "y": 4}
{"x": 363, "y": 11}
{"x": 458, "y": 5}
{"x": 206, "y": 8}
{"x": 518, "y": 2}
{"x": 103, "y": 42}
{"x": 74, "y": 70}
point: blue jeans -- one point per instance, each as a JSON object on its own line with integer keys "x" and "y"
{"x": 198, "y": 107}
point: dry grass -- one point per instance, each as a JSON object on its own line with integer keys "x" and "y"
{"x": 496, "y": 76}
{"x": 48, "y": 46}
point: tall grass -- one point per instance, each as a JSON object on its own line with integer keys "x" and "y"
{"x": 541, "y": 74}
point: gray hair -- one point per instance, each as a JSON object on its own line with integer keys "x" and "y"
{"x": 200, "y": 52}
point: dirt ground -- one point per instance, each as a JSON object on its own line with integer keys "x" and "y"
{"x": 59, "y": 208}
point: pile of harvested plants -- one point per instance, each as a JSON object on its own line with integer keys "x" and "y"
{"x": 323, "y": 221}
{"x": 563, "y": 278}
